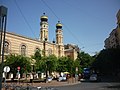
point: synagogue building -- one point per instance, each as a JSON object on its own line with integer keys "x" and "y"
{"x": 22, "y": 45}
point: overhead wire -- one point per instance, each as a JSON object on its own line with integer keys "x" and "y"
{"x": 70, "y": 6}
{"x": 50, "y": 9}
{"x": 74, "y": 36}
{"x": 25, "y": 19}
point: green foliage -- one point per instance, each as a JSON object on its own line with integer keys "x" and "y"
{"x": 47, "y": 63}
{"x": 51, "y": 63}
{"x": 37, "y": 55}
{"x": 70, "y": 66}
{"x": 41, "y": 64}
{"x": 61, "y": 64}
{"x": 108, "y": 61}
{"x": 13, "y": 61}
{"x": 85, "y": 59}
{"x": 66, "y": 64}
{"x": 77, "y": 65}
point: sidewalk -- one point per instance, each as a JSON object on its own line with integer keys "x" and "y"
{"x": 49, "y": 84}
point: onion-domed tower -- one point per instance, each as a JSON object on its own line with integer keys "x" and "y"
{"x": 59, "y": 34}
{"x": 44, "y": 27}
{"x": 59, "y": 39}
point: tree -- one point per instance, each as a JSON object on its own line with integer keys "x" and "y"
{"x": 85, "y": 59}
{"x": 41, "y": 64}
{"x": 37, "y": 60}
{"x": 77, "y": 65}
{"x": 61, "y": 66}
{"x": 37, "y": 55}
{"x": 69, "y": 65}
{"x": 46, "y": 63}
{"x": 66, "y": 64}
{"x": 51, "y": 63}
{"x": 13, "y": 61}
{"x": 108, "y": 61}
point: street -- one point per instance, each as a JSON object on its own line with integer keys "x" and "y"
{"x": 92, "y": 86}
{"x": 85, "y": 85}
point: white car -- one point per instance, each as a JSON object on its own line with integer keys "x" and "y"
{"x": 49, "y": 79}
{"x": 93, "y": 77}
{"x": 62, "y": 78}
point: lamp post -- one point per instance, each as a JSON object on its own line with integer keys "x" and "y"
{"x": 44, "y": 46}
{"x": 3, "y": 21}
{"x": 32, "y": 74}
{"x": 33, "y": 70}
{"x": 44, "y": 56}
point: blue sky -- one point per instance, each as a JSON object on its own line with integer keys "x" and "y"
{"x": 86, "y": 23}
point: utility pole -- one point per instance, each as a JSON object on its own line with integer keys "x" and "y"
{"x": 3, "y": 21}
{"x": 44, "y": 44}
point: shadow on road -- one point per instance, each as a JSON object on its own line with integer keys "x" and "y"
{"x": 105, "y": 79}
{"x": 115, "y": 86}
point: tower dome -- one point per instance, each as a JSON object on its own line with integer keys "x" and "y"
{"x": 44, "y": 17}
{"x": 58, "y": 25}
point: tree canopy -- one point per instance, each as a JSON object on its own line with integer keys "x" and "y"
{"x": 85, "y": 59}
{"x": 14, "y": 61}
{"x": 108, "y": 61}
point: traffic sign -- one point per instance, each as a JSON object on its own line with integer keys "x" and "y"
{"x": 6, "y": 69}
{"x": 18, "y": 67}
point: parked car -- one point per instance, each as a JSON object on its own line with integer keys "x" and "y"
{"x": 62, "y": 78}
{"x": 93, "y": 77}
{"x": 49, "y": 79}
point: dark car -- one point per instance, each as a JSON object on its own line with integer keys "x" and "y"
{"x": 93, "y": 77}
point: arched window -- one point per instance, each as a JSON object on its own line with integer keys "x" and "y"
{"x": 49, "y": 51}
{"x": 37, "y": 49}
{"x": 23, "y": 50}
{"x": 6, "y": 47}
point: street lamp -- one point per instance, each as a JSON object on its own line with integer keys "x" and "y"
{"x": 44, "y": 56}
{"x": 3, "y": 21}
{"x": 44, "y": 46}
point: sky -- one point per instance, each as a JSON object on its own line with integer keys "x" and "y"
{"x": 86, "y": 23}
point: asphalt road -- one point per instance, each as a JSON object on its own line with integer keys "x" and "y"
{"x": 92, "y": 86}
{"x": 79, "y": 86}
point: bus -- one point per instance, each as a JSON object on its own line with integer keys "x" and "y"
{"x": 86, "y": 73}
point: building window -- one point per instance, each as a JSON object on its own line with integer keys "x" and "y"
{"x": 68, "y": 56}
{"x": 37, "y": 49}
{"x": 6, "y": 47}
{"x": 23, "y": 50}
{"x": 49, "y": 51}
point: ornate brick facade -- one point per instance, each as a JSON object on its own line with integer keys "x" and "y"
{"x": 22, "y": 45}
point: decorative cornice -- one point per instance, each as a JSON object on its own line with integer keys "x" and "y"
{"x": 22, "y": 36}
{"x": 14, "y": 34}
